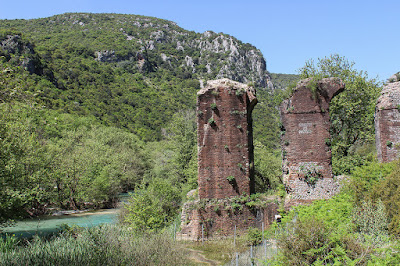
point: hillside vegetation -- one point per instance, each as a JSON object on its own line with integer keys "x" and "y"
{"x": 127, "y": 71}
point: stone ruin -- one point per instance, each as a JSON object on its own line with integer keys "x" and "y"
{"x": 307, "y": 165}
{"x": 225, "y": 164}
{"x": 225, "y": 139}
{"x": 225, "y": 156}
{"x": 387, "y": 123}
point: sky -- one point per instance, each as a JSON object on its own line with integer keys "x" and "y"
{"x": 287, "y": 32}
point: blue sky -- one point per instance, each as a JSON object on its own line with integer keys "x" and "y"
{"x": 288, "y": 32}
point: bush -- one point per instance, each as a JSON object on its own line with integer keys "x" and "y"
{"x": 388, "y": 191}
{"x": 152, "y": 208}
{"x": 254, "y": 236}
{"x": 304, "y": 243}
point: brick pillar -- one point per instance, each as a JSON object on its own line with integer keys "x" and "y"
{"x": 225, "y": 139}
{"x": 307, "y": 164}
{"x": 387, "y": 123}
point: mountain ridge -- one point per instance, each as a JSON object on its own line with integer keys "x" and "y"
{"x": 128, "y": 71}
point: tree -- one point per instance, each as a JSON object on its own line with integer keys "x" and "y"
{"x": 152, "y": 208}
{"x": 352, "y": 111}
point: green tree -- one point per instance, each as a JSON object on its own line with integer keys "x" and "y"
{"x": 153, "y": 207}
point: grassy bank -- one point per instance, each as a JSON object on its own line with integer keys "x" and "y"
{"x": 105, "y": 245}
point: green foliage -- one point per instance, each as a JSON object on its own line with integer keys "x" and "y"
{"x": 104, "y": 65}
{"x": 353, "y": 227}
{"x": 267, "y": 166}
{"x": 305, "y": 243}
{"x": 62, "y": 160}
{"x": 365, "y": 178}
{"x": 310, "y": 174}
{"x": 283, "y": 81}
{"x": 153, "y": 207}
{"x": 230, "y": 178}
{"x": 387, "y": 191}
{"x": 254, "y": 236}
{"x": 333, "y": 231}
{"x": 105, "y": 245}
{"x": 8, "y": 243}
{"x": 371, "y": 219}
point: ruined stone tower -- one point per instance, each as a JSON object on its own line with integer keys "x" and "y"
{"x": 225, "y": 139}
{"x": 307, "y": 167}
{"x": 225, "y": 159}
{"x": 387, "y": 123}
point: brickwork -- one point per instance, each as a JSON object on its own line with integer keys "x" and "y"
{"x": 225, "y": 141}
{"x": 387, "y": 123}
{"x": 307, "y": 166}
{"x": 219, "y": 218}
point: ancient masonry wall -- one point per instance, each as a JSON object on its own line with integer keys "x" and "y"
{"x": 225, "y": 159}
{"x": 387, "y": 123}
{"x": 307, "y": 167}
{"x": 225, "y": 139}
{"x": 218, "y": 219}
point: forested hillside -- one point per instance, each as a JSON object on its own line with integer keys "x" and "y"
{"x": 128, "y": 71}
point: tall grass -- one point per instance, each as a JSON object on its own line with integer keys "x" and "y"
{"x": 105, "y": 245}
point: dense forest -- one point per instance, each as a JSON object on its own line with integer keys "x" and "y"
{"x": 92, "y": 105}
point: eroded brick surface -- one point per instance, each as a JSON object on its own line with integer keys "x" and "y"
{"x": 225, "y": 141}
{"x": 216, "y": 219}
{"x": 387, "y": 123}
{"x": 307, "y": 166}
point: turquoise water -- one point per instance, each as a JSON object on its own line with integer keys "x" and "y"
{"x": 47, "y": 225}
{"x": 51, "y": 224}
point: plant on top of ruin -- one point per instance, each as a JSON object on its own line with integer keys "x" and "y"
{"x": 215, "y": 92}
{"x": 239, "y": 92}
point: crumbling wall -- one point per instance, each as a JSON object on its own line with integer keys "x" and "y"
{"x": 307, "y": 166}
{"x": 387, "y": 123}
{"x": 220, "y": 218}
{"x": 225, "y": 139}
{"x": 225, "y": 159}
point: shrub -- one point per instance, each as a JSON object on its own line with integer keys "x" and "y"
{"x": 371, "y": 219}
{"x": 254, "y": 236}
{"x": 304, "y": 242}
{"x": 154, "y": 207}
{"x": 388, "y": 191}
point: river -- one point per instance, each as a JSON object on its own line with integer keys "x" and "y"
{"x": 49, "y": 224}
